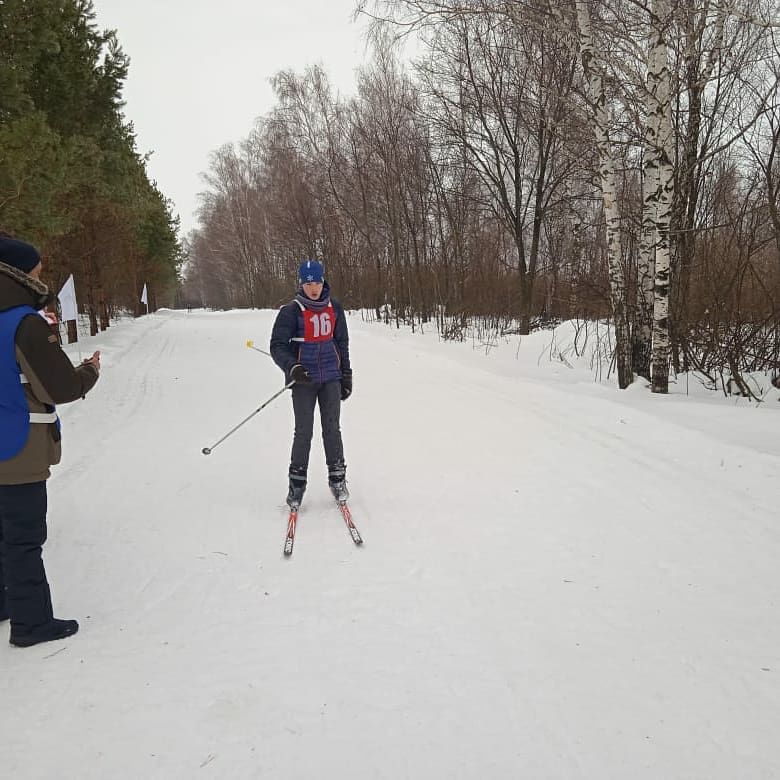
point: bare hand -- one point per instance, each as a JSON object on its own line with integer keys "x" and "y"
{"x": 93, "y": 361}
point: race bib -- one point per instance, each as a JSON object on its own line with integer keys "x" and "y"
{"x": 317, "y": 325}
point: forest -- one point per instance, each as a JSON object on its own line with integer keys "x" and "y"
{"x": 72, "y": 181}
{"x": 531, "y": 162}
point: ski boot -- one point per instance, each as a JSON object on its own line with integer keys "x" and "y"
{"x": 337, "y": 482}
{"x": 297, "y": 487}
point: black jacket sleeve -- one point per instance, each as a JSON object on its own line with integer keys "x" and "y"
{"x": 51, "y": 366}
{"x": 285, "y": 327}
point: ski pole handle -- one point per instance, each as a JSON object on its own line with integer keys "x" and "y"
{"x": 208, "y": 450}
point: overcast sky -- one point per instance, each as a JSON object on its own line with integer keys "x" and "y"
{"x": 200, "y": 70}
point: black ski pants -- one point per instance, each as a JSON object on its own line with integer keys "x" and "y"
{"x": 305, "y": 398}
{"x": 24, "y": 590}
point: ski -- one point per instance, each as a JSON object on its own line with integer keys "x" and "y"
{"x": 347, "y": 515}
{"x": 292, "y": 520}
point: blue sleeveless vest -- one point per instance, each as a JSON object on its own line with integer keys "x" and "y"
{"x": 317, "y": 350}
{"x": 14, "y": 411}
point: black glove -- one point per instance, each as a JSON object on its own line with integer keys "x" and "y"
{"x": 300, "y": 375}
{"x": 346, "y": 385}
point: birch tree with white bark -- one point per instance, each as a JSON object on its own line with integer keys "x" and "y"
{"x": 596, "y": 93}
{"x": 659, "y": 186}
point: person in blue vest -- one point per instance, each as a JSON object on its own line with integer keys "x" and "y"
{"x": 35, "y": 374}
{"x": 310, "y": 343}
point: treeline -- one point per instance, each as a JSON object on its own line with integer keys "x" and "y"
{"x": 71, "y": 179}
{"x": 538, "y": 161}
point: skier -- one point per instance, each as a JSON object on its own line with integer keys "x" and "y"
{"x": 310, "y": 343}
{"x": 35, "y": 374}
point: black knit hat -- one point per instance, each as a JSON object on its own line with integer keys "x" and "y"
{"x": 18, "y": 254}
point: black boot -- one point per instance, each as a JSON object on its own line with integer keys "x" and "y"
{"x": 48, "y": 632}
{"x": 337, "y": 482}
{"x": 297, "y": 487}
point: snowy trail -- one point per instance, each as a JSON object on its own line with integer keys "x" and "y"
{"x": 557, "y": 581}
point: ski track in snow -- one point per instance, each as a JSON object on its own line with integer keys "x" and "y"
{"x": 558, "y": 580}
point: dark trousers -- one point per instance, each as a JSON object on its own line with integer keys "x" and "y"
{"x": 305, "y": 398}
{"x": 24, "y": 591}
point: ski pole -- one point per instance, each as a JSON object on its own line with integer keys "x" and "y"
{"x": 251, "y": 345}
{"x": 207, "y": 450}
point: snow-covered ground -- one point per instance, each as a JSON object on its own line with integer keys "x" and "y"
{"x": 559, "y": 579}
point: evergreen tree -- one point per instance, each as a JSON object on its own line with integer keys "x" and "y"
{"x": 71, "y": 178}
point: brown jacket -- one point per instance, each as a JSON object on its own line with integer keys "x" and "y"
{"x": 52, "y": 378}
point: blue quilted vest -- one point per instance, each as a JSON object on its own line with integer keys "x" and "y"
{"x": 15, "y": 415}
